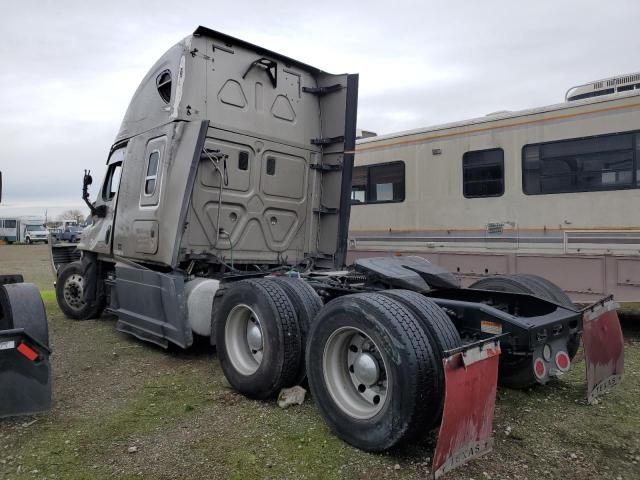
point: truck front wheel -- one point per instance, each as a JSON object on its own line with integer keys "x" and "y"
{"x": 70, "y": 294}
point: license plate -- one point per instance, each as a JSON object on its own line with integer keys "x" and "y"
{"x": 9, "y": 345}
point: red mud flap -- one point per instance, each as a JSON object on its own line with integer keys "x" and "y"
{"x": 603, "y": 347}
{"x": 471, "y": 378}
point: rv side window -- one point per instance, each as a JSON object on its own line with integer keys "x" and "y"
{"x": 10, "y": 223}
{"x": 152, "y": 173}
{"x": 483, "y": 173}
{"x": 111, "y": 181}
{"x": 606, "y": 162}
{"x": 378, "y": 183}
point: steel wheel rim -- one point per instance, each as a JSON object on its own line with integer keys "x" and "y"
{"x": 73, "y": 291}
{"x": 244, "y": 339}
{"x": 355, "y": 373}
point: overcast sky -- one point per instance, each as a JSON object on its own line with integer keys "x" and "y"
{"x": 69, "y": 68}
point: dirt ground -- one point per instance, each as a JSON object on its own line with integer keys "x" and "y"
{"x": 126, "y": 409}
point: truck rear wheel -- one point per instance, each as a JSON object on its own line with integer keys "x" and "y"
{"x": 257, "y": 337}
{"x": 306, "y": 302}
{"x": 373, "y": 372}
{"x": 517, "y": 372}
{"x": 441, "y": 331}
{"x": 70, "y": 294}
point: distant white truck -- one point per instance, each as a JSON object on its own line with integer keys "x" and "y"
{"x": 33, "y": 230}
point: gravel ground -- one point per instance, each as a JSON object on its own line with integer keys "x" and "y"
{"x": 126, "y": 409}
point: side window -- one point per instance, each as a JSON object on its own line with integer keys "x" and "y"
{"x": 152, "y": 173}
{"x": 163, "y": 84}
{"x": 606, "y": 162}
{"x": 111, "y": 181}
{"x": 10, "y": 224}
{"x": 483, "y": 173}
{"x": 378, "y": 183}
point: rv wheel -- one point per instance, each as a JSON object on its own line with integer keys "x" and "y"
{"x": 257, "y": 337}
{"x": 372, "y": 371}
{"x": 517, "y": 372}
{"x": 70, "y": 294}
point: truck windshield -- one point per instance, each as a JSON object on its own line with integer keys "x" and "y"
{"x": 35, "y": 228}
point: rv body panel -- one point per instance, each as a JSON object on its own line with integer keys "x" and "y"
{"x": 594, "y": 235}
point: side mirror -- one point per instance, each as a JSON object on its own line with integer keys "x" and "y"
{"x": 88, "y": 179}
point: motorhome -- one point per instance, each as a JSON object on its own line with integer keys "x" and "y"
{"x": 550, "y": 191}
{"x": 9, "y": 229}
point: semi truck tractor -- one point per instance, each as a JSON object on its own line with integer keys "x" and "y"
{"x": 25, "y": 372}
{"x": 224, "y": 213}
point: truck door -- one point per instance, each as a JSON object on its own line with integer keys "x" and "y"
{"x": 99, "y": 237}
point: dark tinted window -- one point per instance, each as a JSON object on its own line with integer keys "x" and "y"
{"x": 10, "y": 224}
{"x": 483, "y": 173}
{"x": 271, "y": 166}
{"x": 606, "y": 162}
{"x": 163, "y": 84}
{"x": 243, "y": 161}
{"x": 152, "y": 173}
{"x": 378, "y": 183}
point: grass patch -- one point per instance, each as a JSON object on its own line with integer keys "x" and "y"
{"x": 48, "y": 296}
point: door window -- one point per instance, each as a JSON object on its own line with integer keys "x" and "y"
{"x": 111, "y": 181}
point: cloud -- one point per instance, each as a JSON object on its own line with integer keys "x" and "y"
{"x": 71, "y": 67}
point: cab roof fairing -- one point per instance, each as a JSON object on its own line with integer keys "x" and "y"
{"x": 146, "y": 109}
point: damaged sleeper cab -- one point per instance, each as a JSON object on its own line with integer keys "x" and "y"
{"x": 224, "y": 213}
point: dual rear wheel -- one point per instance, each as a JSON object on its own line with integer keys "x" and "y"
{"x": 373, "y": 361}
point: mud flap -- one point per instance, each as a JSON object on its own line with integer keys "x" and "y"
{"x": 25, "y": 374}
{"x": 603, "y": 348}
{"x": 471, "y": 378}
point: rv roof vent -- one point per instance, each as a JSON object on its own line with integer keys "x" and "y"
{"x": 605, "y": 86}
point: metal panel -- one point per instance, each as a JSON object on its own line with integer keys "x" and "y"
{"x": 572, "y": 274}
{"x": 628, "y": 271}
{"x": 152, "y": 306}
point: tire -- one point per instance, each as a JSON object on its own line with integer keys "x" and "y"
{"x": 22, "y": 307}
{"x": 441, "y": 331}
{"x": 257, "y": 360}
{"x": 373, "y": 329}
{"x": 547, "y": 289}
{"x": 557, "y": 294}
{"x": 28, "y": 241}
{"x": 69, "y": 294}
{"x": 514, "y": 371}
{"x": 306, "y": 302}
